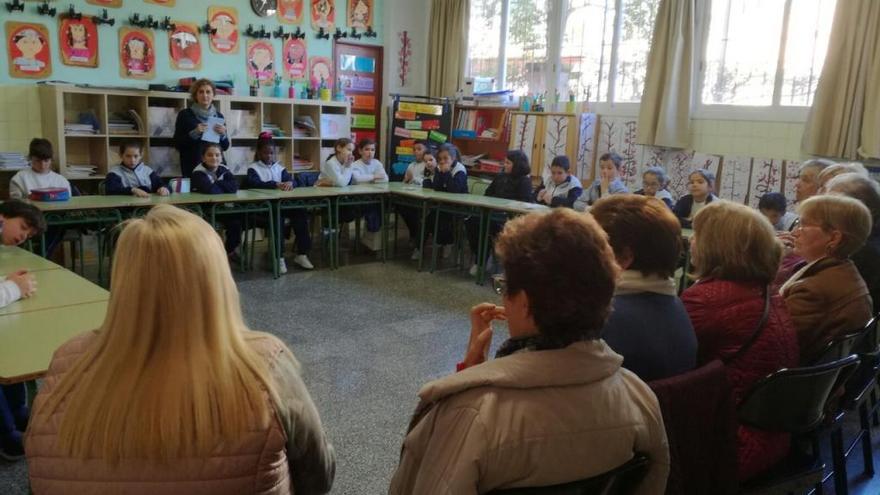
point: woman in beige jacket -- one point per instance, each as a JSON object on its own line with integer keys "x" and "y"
{"x": 555, "y": 405}
{"x": 173, "y": 394}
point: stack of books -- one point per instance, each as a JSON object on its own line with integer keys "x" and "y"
{"x": 274, "y": 129}
{"x": 79, "y": 129}
{"x": 12, "y": 161}
{"x": 300, "y": 164}
{"x": 304, "y": 126}
{"x": 80, "y": 171}
{"x": 125, "y": 123}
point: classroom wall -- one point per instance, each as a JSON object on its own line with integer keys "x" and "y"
{"x": 18, "y": 97}
{"x": 768, "y": 139}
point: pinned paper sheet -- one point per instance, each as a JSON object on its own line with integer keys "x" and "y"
{"x": 406, "y": 158}
{"x": 437, "y": 136}
{"x": 401, "y": 132}
{"x": 412, "y": 124}
{"x": 408, "y": 143}
{"x": 419, "y": 134}
{"x": 362, "y": 102}
{"x": 430, "y": 124}
{"x": 363, "y": 121}
{"x": 404, "y": 115}
{"x": 422, "y": 108}
{"x": 402, "y": 150}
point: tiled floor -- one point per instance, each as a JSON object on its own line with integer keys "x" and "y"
{"x": 368, "y": 335}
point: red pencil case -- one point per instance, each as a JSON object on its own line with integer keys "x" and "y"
{"x": 50, "y": 194}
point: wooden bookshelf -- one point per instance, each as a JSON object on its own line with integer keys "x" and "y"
{"x": 246, "y": 117}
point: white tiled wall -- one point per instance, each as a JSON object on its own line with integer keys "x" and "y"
{"x": 780, "y": 140}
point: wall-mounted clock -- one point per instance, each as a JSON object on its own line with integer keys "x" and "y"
{"x": 264, "y": 8}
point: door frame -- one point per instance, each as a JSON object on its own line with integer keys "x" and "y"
{"x": 380, "y": 76}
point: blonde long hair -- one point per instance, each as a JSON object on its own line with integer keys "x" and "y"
{"x": 170, "y": 374}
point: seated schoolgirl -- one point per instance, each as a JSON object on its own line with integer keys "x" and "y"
{"x": 701, "y": 183}
{"x": 267, "y": 173}
{"x": 368, "y": 170}
{"x": 654, "y": 182}
{"x": 451, "y": 176}
{"x": 132, "y": 176}
{"x": 211, "y": 177}
{"x": 561, "y": 188}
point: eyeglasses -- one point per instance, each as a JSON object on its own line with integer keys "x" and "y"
{"x": 499, "y": 284}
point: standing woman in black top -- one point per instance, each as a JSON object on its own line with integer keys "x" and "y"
{"x": 516, "y": 184}
{"x": 192, "y": 123}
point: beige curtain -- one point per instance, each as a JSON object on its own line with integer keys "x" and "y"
{"x": 845, "y": 118}
{"x": 447, "y": 46}
{"x": 665, "y": 110}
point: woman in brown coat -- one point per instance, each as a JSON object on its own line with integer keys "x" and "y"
{"x": 826, "y": 296}
{"x": 554, "y": 405}
{"x": 173, "y": 393}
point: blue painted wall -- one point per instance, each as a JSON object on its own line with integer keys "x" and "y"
{"x": 215, "y": 66}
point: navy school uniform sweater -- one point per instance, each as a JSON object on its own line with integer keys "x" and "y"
{"x": 121, "y": 180}
{"x": 188, "y": 143}
{"x": 262, "y": 176}
{"x": 683, "y": 208}
{"x": 220, "y": 181}
{"x": 454, "y": 181}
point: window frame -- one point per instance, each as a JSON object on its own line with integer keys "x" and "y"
{"x": 775, "y": 112}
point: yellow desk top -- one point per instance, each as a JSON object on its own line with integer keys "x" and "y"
{"x": 57, "y": 289}
{"x": 13, "y": 259}
{"x": 28, "y": 340}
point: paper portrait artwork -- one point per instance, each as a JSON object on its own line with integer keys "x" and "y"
{"x": 78, "y": 39}
{"x": 323, "y": 14}
{"x": 106, "y": 3}
{"x": 296, "y": 60}
{"x": 290, "y": 11}
{"x": 27, "y": 46}
{"x": 225, "y": 21}
{"x": 137, "y": 56}
{"x": 320, "y": 71}
{"x": 184, "y": 47}
{"x": 164, "y": 3}
{"x": 360, "y": 13}
{"x": 260, "y": 62}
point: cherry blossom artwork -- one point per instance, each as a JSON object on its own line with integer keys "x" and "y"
{"x": 586, "y": 153}
{"x": 679, "y": 165}
{"x": 555, "y": 139}
{"x": 618, "y": 135}
{"x": 733, "y": 183}
{"x": 790, "y": 179}
{"x": 766, "y": 177}
{"x": 522, "y": 136}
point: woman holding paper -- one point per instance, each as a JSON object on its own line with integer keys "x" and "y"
{"x": 200, "y": 122}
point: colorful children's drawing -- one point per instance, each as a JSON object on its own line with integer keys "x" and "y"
{"x": 260, "y": 62}
{"x": 137, "y": 56}
{"x": 360, "y": 13}
{"x": 323, "y": 14}
{"x": 320, "y": 71}
{"x": 290, "y": 11}
{"x": 78, "y": 39}
{"x": 27, "y": 46}
{"x": 733, "y": 183}
{"x": 224, "y": 20}
{"x": 185, "y": 46}
{"x": 766, "y": 177}
{"x": 295, "y": 59}
{"x": 106, "y": 3}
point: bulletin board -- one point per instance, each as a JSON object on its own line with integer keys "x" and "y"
{"x": 411, "y": 119}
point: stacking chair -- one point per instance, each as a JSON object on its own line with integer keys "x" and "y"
{"x": 794, "y": 401}
{"x": 622, "y": 480}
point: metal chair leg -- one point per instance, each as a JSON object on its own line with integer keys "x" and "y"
{"x": 839, "y": 462}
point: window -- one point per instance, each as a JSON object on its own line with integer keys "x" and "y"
{"x": 527, "y": 47}
{"x": 483, "y": 38}
{"x": 765, "y": 52}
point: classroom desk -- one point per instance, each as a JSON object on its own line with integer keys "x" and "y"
{"x": 360, "y": 195}
{"x": 57, "y": 289}
{"x": 13, "y": 259}
{"x": 28, "y": 340}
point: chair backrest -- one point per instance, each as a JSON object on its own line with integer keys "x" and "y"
{"x": 179, "y": 185}
{"x": 477, "y": 186}
{"x": 793, "y": 400}
{"x": 399, "y": 168}
{"x": 305, "y": 179}
{"x": 870, "y": 338}
{"x": 839, "y": 348}
{"x": 622, "y": 480}
{"x": 102, "y": 187}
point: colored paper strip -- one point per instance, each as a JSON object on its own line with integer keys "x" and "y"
{"x": 409, "y": 143}
{"x": 401, "y": 132}
{"x": 363, "y": 121}
{"x": 401, "y": 150}
{"x": 404, "y": 115}
{"x": 419, "y": 134}
{"x": 437, "y": 136}
{"x": 429, "y": 109}
{"x": 430, "y": 124}
{"x": 412, "y": 124}
{"x": 363, "y": 102}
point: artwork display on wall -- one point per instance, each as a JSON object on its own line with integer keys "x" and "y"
{"x": 106, "y": 3}
{"x": 290, "y": 11}
{"x": 164, "y": 3}
{"x": 766, "y": 178}
{"x": 260, "y": 62}
{"x": 733, "y": 184}
{"x": 137, "y": 55}
{"x": 323, "y": 14}
{"x": 360, "y": 13}
{"x": 78, "y": 39}
{"x": 320, "y": 70}
{"x": 225, "y": 21}
{"x": 295, "y": 59}
{"x": 788, "y": 185}
{"x": 586, "y": 145}
{"x": 185, "y": 47}
{"x": 27, "y": 47}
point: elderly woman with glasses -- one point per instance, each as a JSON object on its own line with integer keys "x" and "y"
{"x": 826, "y": 296}
{"x": 554, "y": 405}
